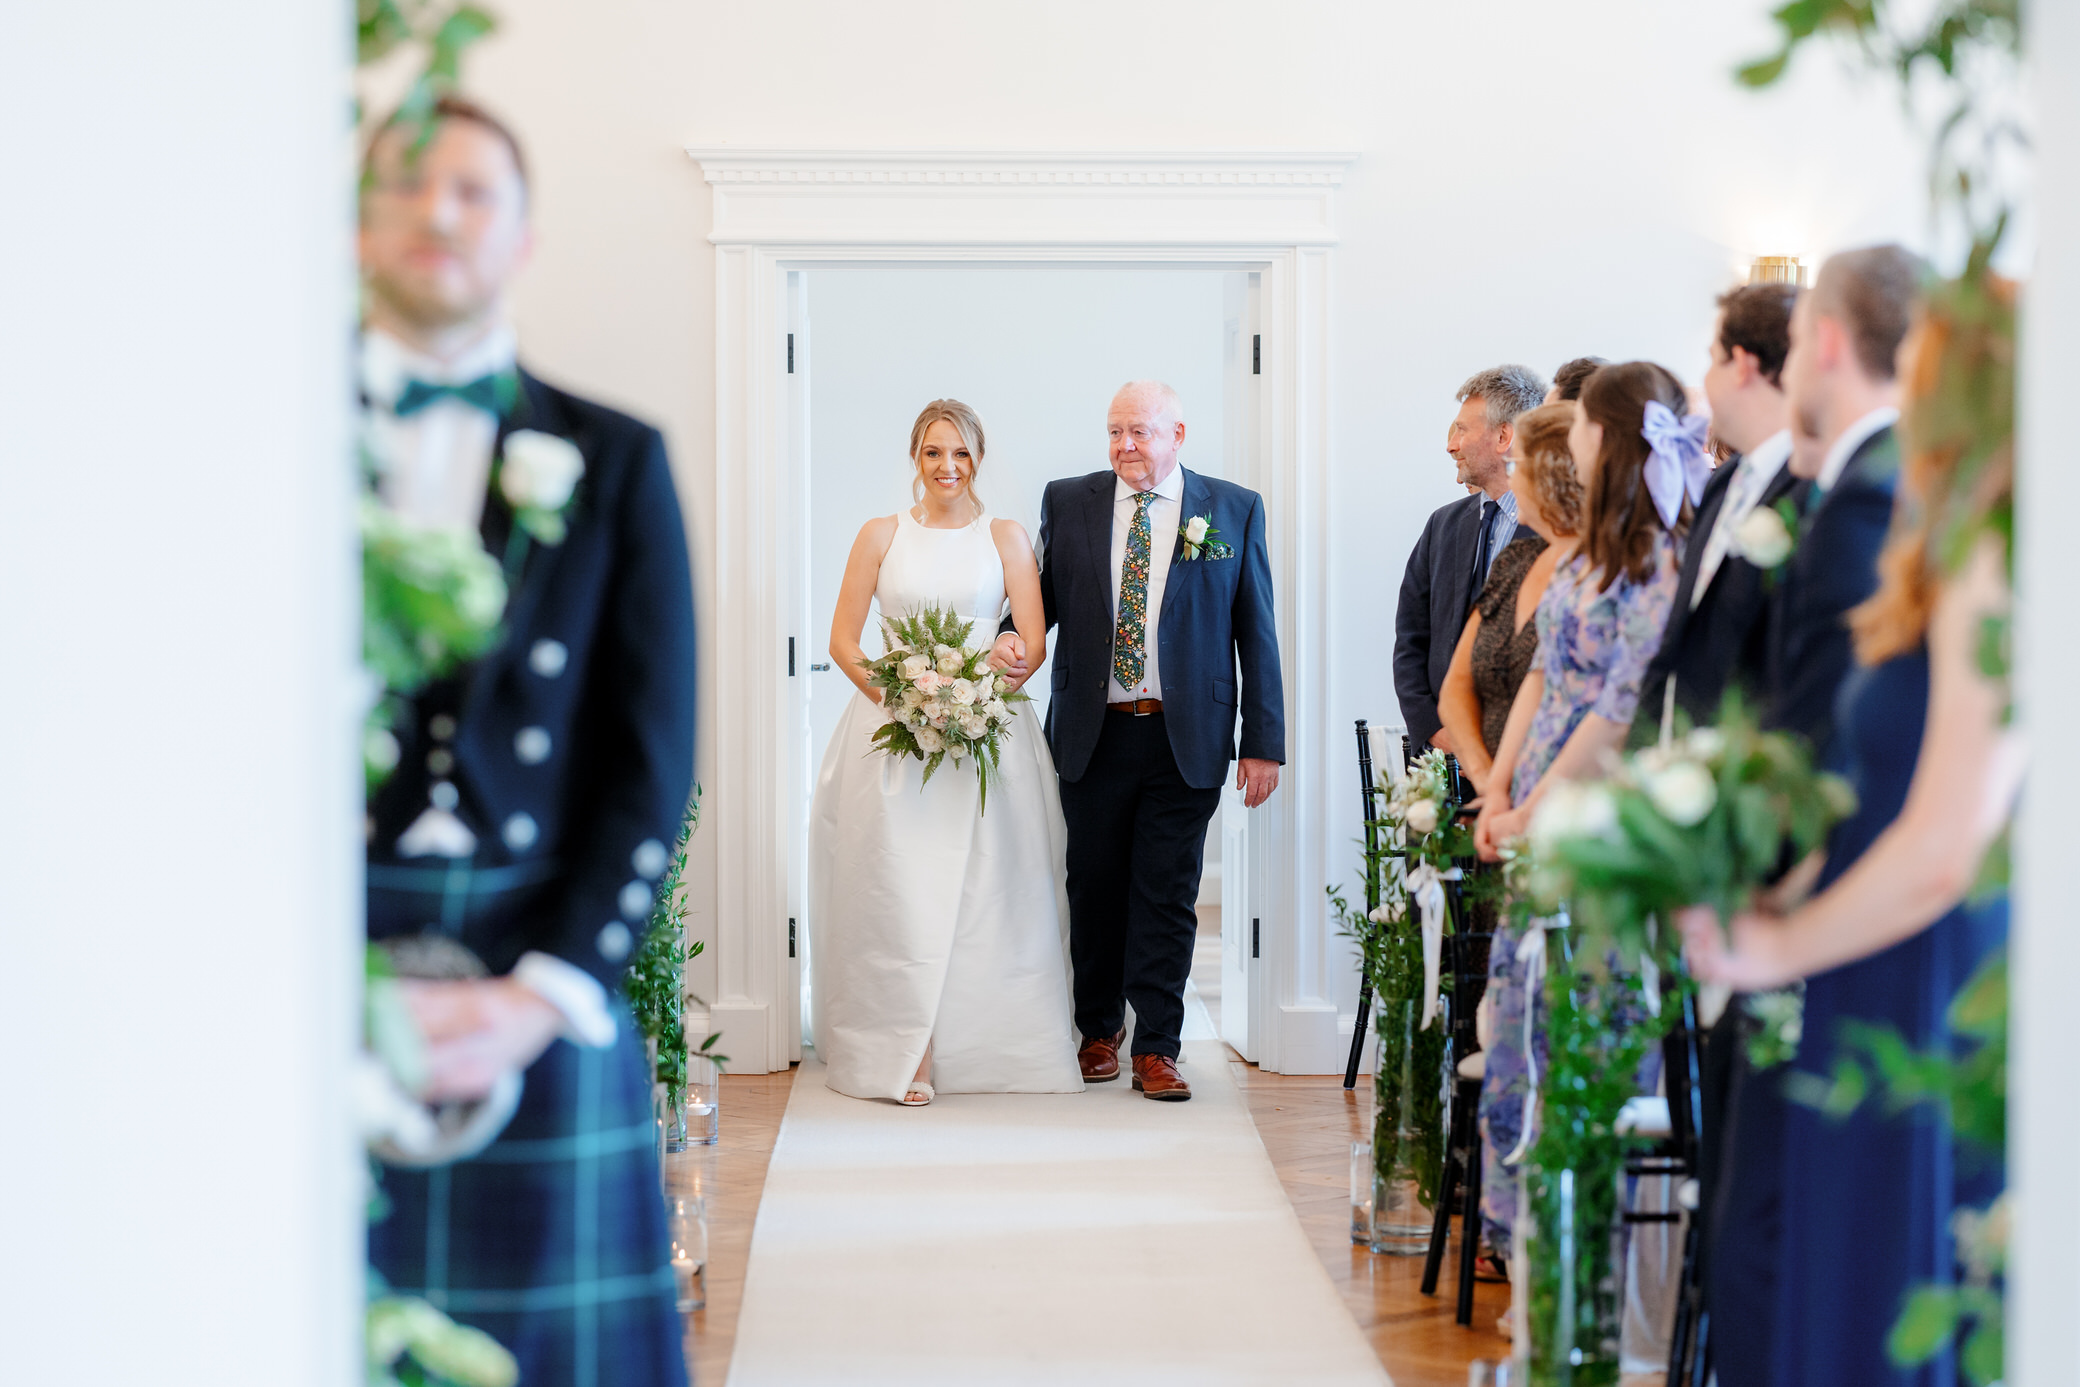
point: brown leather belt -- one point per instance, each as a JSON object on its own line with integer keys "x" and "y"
{"x": 1140, "y": 707}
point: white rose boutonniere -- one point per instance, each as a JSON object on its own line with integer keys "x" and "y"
{"x": 1199, "y": 540}
{"x": 1764, "y": 538}
{"x": 538, "y": 474}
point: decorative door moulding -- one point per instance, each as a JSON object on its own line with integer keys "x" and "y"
{"x": 907, "y": 197}
{"x": 781, "y": 211}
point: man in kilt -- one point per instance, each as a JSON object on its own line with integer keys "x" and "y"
{"x": 536, "y": 790}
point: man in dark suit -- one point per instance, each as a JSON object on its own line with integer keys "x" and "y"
{"x": 1839, "y": 379}
{"x": 1459, "y": 544}
{"x": 1159, "y": 581}
{"x": 1716, "y": 636}
{"x": 534, "y": 791}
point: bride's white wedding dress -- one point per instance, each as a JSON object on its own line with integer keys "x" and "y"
{"x": 931, "y": 923}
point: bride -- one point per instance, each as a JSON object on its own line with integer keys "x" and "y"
{"x": 940, "y": 944}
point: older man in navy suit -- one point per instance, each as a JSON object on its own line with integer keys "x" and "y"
{"x": 1160, "y": 582}
{"x": 1450, "y": 563}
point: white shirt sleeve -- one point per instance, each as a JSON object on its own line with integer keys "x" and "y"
{"x": 572, "y": 991}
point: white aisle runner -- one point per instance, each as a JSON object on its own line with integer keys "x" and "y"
{"x": 1044, "y": 1239}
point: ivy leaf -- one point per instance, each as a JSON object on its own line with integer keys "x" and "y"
{"x": 1925, "y": 1325}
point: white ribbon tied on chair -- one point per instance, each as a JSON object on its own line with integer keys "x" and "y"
{"x": 1531, "y": 952}
{"x": 1426, "y": 888}
{"x": 1677, "y": 462}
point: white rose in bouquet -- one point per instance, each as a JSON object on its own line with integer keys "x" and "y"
{"x": 997, "y": 710}
{"x": 1762, "y": 538}
{"x": 928, "y": 683}
{"x": 540, "y": 470}
{"x": 985, "y": 685}
{"x": 1195, "y": 530}
{"x": 1422, "y": 817}
{"x": 973, "y": 725}
{"x": 1705, "y": 743}
{"x": 915, "y": 667}
{"x": 929, "y": 741}
{"x": 1573, "y": 810}
{"x": 950, "y": 660}
{"x": 1684, "y": 791}
{"x": 962, "y": 692}
{"x": 911, "y": 700}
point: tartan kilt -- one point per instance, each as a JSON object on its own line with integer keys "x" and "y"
{"x": 552, "y": 1239}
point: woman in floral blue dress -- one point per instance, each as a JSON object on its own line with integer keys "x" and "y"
{"x": 1641, "y": 463}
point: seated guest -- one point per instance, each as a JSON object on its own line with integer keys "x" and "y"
{"x": 1839, "y": 377}
{"x": 1716, "y": 631}
{"x": 1599, "y": 624}
{"x": 1495, "y": 650}
{"x": 1450, "y": 563}
{"x": 1567, "y": 381}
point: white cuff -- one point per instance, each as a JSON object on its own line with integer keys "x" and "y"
{"x": 572, "y": 991}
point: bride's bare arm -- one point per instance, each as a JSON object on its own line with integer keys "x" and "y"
{"x": 856, "y": 599}
{"x": 1022, "y": 586}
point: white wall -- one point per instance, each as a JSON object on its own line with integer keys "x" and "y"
{"x": 1538, "y": 183}
{"x": 179, "y": 793}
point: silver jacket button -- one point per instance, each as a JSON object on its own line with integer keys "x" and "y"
{"x": 635, "y": 900}
{"x": 520, "y": 832}
{"x": 443, "y": 795}
{"x": 531, "y": 745}
{"x": 547, "y": 658}
{"x": 614, "y": 942}
{"x": 648, "y": 859}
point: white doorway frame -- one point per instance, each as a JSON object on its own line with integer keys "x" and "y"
{"x": 781, "y": 211}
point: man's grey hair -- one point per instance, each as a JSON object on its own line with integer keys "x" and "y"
{"x": 1507, "y": 391}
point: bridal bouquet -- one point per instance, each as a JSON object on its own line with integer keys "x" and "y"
{"x": 942, "y": 699}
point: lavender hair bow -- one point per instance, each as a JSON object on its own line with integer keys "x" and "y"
{"x": 1678, "y": 461}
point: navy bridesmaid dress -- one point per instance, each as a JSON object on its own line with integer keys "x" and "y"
{"x": 1867, "y": 1200}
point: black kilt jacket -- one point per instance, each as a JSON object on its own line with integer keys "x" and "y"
{"x": 569, "y": 750}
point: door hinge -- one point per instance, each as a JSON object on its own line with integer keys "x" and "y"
{"x": 790, "y": 657}
{"x": 1256, "y": 938}
{"x": 1256, "y": 355}
{"x": 790, "y": 353}
{"x": 790, "y": 936}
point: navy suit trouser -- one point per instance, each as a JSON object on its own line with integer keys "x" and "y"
{"x": 1741, "y": 1276}
{"x": 1137, "y": 845}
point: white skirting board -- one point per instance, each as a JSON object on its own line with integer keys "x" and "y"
{"x": 1036, "y": 1239}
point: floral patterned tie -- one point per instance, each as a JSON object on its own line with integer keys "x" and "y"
{"x": 1129, "y": 658}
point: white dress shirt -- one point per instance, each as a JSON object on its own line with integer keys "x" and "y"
{"x": 432, "y": 467}
{"x": 1757, "y": 468}
{"x": 1853, "y": 437}
{"x": 1165, "y": 516}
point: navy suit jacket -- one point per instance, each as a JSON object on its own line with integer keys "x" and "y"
{"x": 1726, "y": 641}
{"x": 1217, "y": 619}
{"x": 1437, "y": 595}
{"x": 598, "y": 653}
{"x": 1834, "y": 568}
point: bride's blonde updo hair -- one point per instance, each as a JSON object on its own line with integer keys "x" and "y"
{"x": 967, "y": 424}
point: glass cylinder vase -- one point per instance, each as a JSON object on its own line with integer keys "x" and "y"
{"x": 701, "y": 1102}
{"x": 1570, "y": 1240}
{"x": 1407, "y": 1126}
{"x": 1361, "y": 1193}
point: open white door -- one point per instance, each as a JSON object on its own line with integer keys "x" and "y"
{"x": 806, "y": 651}
{"x": 1240, "y": 931}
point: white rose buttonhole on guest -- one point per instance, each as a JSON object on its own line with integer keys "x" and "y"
{"x": 1763, "y": 538}
{"x": 538, "y": 475}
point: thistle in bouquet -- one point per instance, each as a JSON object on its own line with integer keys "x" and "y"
{"x": 1703, "y": 820}
{"x": 942, "y": 700}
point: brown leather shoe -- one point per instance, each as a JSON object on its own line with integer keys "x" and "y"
{"x": 1099, "y": 1058}
{"x": 1156, "y": 1076}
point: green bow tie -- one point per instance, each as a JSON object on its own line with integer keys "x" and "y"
{"x": 493, "y": 394}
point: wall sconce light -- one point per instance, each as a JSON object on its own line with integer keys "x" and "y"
{"x": 1777, "y": 269}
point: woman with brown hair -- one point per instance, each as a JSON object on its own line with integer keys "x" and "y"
{"x": 1889, "y": 940}
{"x": 1501, "y": 636}
{"x": 1641, "y": 464}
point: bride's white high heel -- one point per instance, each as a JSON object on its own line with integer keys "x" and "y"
{"x": 918, "y": 1094}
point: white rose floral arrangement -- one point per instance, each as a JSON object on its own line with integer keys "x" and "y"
{"x": 1703, "y": 820}
{"x": 942, "y": 700}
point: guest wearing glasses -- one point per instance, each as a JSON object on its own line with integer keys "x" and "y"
{"x": 1459, "y": 545}
{"x": 1495, "y": 650}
